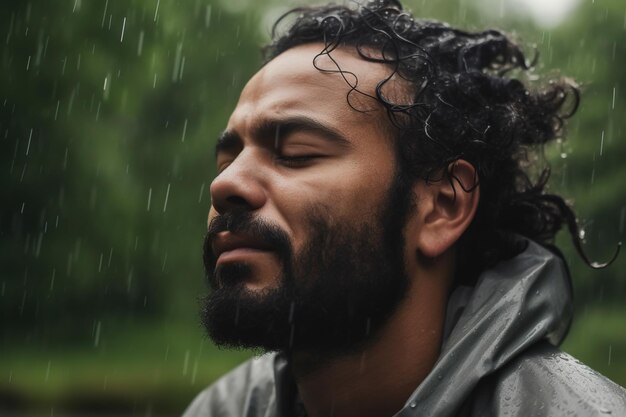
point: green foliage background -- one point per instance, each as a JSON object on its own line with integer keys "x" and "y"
{"x": 108, "y": 113}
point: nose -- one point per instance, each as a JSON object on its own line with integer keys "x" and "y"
{"x": 239, "y": 186}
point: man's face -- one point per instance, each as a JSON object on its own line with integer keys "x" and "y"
{"x": 305, "y": 248}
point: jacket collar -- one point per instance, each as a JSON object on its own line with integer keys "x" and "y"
{"x": 513, "y": 306}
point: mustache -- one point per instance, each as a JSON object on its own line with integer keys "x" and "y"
{"x": 244, "y": 222}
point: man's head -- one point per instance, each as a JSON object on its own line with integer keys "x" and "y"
{"x": 311, "y": 188}
{"x": 349, "y": 173}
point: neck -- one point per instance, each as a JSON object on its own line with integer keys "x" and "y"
{"x": 378, "y": 380}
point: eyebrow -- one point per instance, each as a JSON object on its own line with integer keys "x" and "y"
{"x": 227, "y": 141}
{"x": 275, "y": 130}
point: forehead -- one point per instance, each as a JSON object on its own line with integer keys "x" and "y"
{"x": 337, "y": 90}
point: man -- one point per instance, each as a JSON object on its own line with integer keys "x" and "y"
{"x": 372, "y": 229}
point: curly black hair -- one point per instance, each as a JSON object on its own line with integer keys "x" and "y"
{"x": 464, "y": 105}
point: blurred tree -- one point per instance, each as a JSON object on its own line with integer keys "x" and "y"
{"x": 588, "y": 166}
{"x": 107, "y": 118}
{"x": 103, "y": 108}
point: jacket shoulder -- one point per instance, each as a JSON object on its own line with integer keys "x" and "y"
{"x": 545, "y": 381}
{"x": 246, "y": 391}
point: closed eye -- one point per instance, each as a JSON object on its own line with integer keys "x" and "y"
{"x": 296, "y": 160}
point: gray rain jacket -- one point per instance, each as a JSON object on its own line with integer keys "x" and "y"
{"x": 498, "y": 357}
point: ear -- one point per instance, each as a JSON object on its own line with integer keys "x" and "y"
{"x": 445, "y": 209}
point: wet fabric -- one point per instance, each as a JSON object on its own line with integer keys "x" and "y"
{"x": 499, "y": 357}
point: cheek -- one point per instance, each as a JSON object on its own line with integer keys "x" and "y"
{"x": 358, "y": 191}
{"x": 347, "y": 194}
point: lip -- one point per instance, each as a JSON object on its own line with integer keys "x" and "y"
{"x": 228, "y": 245}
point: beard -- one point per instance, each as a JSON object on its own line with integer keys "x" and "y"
{"x": 332, "y": 297}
